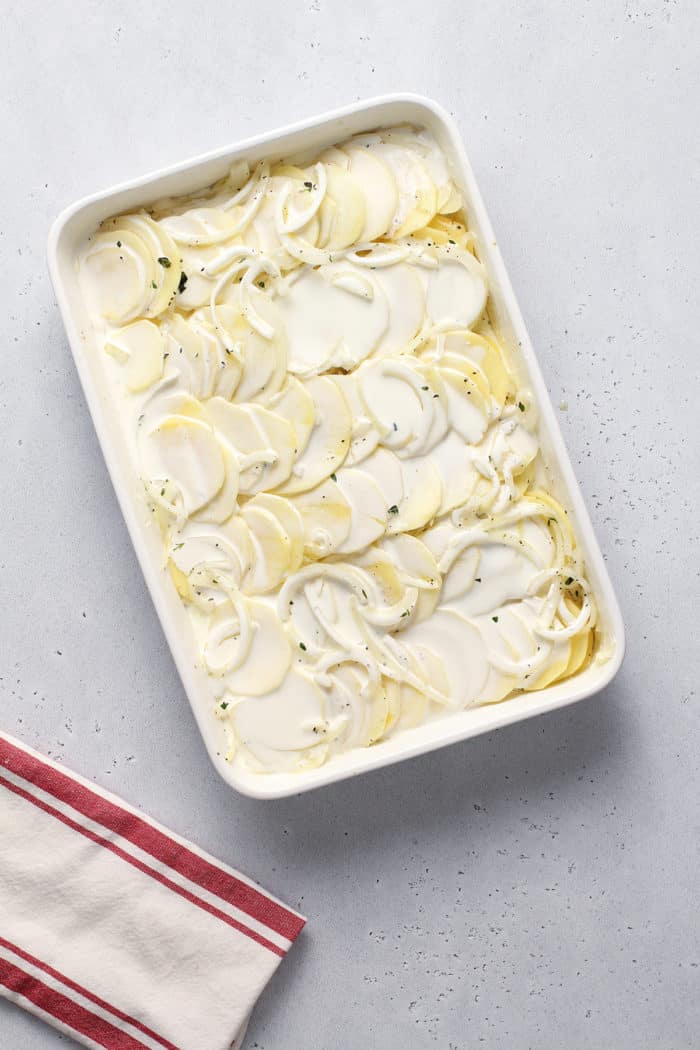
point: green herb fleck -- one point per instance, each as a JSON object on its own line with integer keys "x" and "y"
{"x": 182, "y": 283}
{"x": 164, "y": 262}
{"x": 364, "y": 593}
{"x": 406, "y": 612}
{"x": 495, "y": 619}
{"x": 302, "y": 646}
{"x": 334, "y": 477}
{"x": 393, "y": 509}
{"x": 224, "y": 705}
{"x": 451, "y": 241}
{"x": 569, "y": 580}
{"x": 178, "y": 546}
{"x": 425, "y": 388}
{"x": 477, "y": 579}
{"x": 153, "y": 284}
{"x": 119, "y": 244}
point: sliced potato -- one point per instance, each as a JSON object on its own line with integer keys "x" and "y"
{"x": 326, "y": 515}
{"x": 140, "y": 346}
{"x": 378, "y": 186}
{"x": 186, "y": 452}
{"x": 272, "y": 550}
{"x": 290, "y": 520}
{"x": 269, "y": 655}
{"x": 349, "y": 208}
{"x": 368, "y": 509}
{"x": 330, "y": 438}
{"x": 417, "y": 197}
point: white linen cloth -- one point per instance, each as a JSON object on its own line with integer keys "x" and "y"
{"x": 118, "y": 932}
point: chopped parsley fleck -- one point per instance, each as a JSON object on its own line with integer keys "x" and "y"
{"x": 302, "y": 646}
{"x": 364, "y": 593}
{"x": 182, "y": 283}
{"x": 521, "y": 406}
{"x": 425, "y": 388}
{"x": 164, "y": 262}
{"x": 495, "y": 619}
{"x": 406, "y": 612}
{"x": 477, "y": 579}
{"x": 309, "y": 185}
{"x": 334, "y": 477}
{"x": 119, "y": 244}
{"x": 451, "y": 241}
{"x": 568, "y": 580}
{"x": 178, "y": 546}
{"x": 393, "y": 509}
{"x": 224, "y": 705}
{"x": 153, "y": 284}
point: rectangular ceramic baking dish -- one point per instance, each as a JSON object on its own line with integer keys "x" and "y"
{"x": 81, "y": 219}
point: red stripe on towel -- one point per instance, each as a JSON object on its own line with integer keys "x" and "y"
{"x": 107, "y": 844}
{"x": 152, "y": 840}
{"x": 66, "y": 1010}
{"x": 74, "y": 987}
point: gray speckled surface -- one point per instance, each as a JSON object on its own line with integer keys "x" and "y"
{"x": 533, "y": 889}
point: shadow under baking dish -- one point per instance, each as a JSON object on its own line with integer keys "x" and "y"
{"x": 80, "y": 220}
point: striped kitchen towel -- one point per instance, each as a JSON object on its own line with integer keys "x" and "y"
{"x": 118, "y": 932}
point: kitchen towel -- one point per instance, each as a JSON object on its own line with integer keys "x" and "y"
{"x": 117, "y": 931}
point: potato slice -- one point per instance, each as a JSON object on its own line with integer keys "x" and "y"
{"x": 166, "y": 267}
{"x": 416, "y": 567}
{"x": 349, "y": 212}
{"x": 263, "y": 361}
{"x": 285, "y": 728}
{"x": 326, "y": 516}
{"x": 457, "y": 644}
{"x": 253, "y": 432}
{"x": 406, "y": 403}
{"x": 140, "y": 346}
{"x": 456, "y": 289}
{"x": 467, "y": 411}
{"x": 295, "y": 404}
{"x": 186, "y": 452}
{"x": 330, "y": 438}
{"x": 365, "y": 436}
{"x": 378, "y": 186}
{"x": 226, "y": 549}
{"x": 333, "y": 316}
{"x": 225, "y": 503}
{"x": 269, "y": 655}
{"x": 271, "y": 547}
{"x": 290, "y": 520}
{"x": 405, "y": 296}
{"x": 417, "y": 197}
{"x": 487, "y": 357}
{"x": 423, "y": 143}
{"x": 118, "y": 274}
{"x": 422, "y": 495}
{"x": 368, "y": 508}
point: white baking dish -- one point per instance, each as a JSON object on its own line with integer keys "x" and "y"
{"x": 78, "y": 221}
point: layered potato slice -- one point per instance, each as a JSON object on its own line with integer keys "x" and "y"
{"x": 338, "y": 450}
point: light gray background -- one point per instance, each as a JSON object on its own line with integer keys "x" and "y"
{"x": 533, "y": 889}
